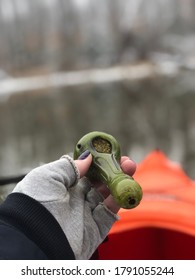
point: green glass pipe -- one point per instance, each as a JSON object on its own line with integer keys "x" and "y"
{"x": 105, "y": 168}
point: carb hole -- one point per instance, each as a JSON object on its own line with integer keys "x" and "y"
{"x": 79, "y": 146}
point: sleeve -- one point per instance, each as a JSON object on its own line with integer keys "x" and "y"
{"x": 29, "y": 231}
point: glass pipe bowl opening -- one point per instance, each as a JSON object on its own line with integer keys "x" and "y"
{"x": 102, "y": 145}
{"x": 97, "y": 142}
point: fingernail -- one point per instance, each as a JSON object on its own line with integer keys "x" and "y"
{"x": 84, "y": 155}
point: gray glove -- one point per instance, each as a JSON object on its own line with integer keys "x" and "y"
{"x": 78, "y": 208}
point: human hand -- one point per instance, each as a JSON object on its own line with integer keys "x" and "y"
{"x": 83, "y": 214}
{"x": 127, "y": 165}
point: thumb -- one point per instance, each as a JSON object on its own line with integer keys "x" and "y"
{"x": 83, "y": 163}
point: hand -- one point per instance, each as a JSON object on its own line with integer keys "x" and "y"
{"x": 127, "y": 165}
{"x": 83, "y": 214}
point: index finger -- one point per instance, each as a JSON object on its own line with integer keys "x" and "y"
{"x": 128, "y": 166}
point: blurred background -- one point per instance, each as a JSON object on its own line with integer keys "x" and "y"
{"x": 68, "y": 67}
